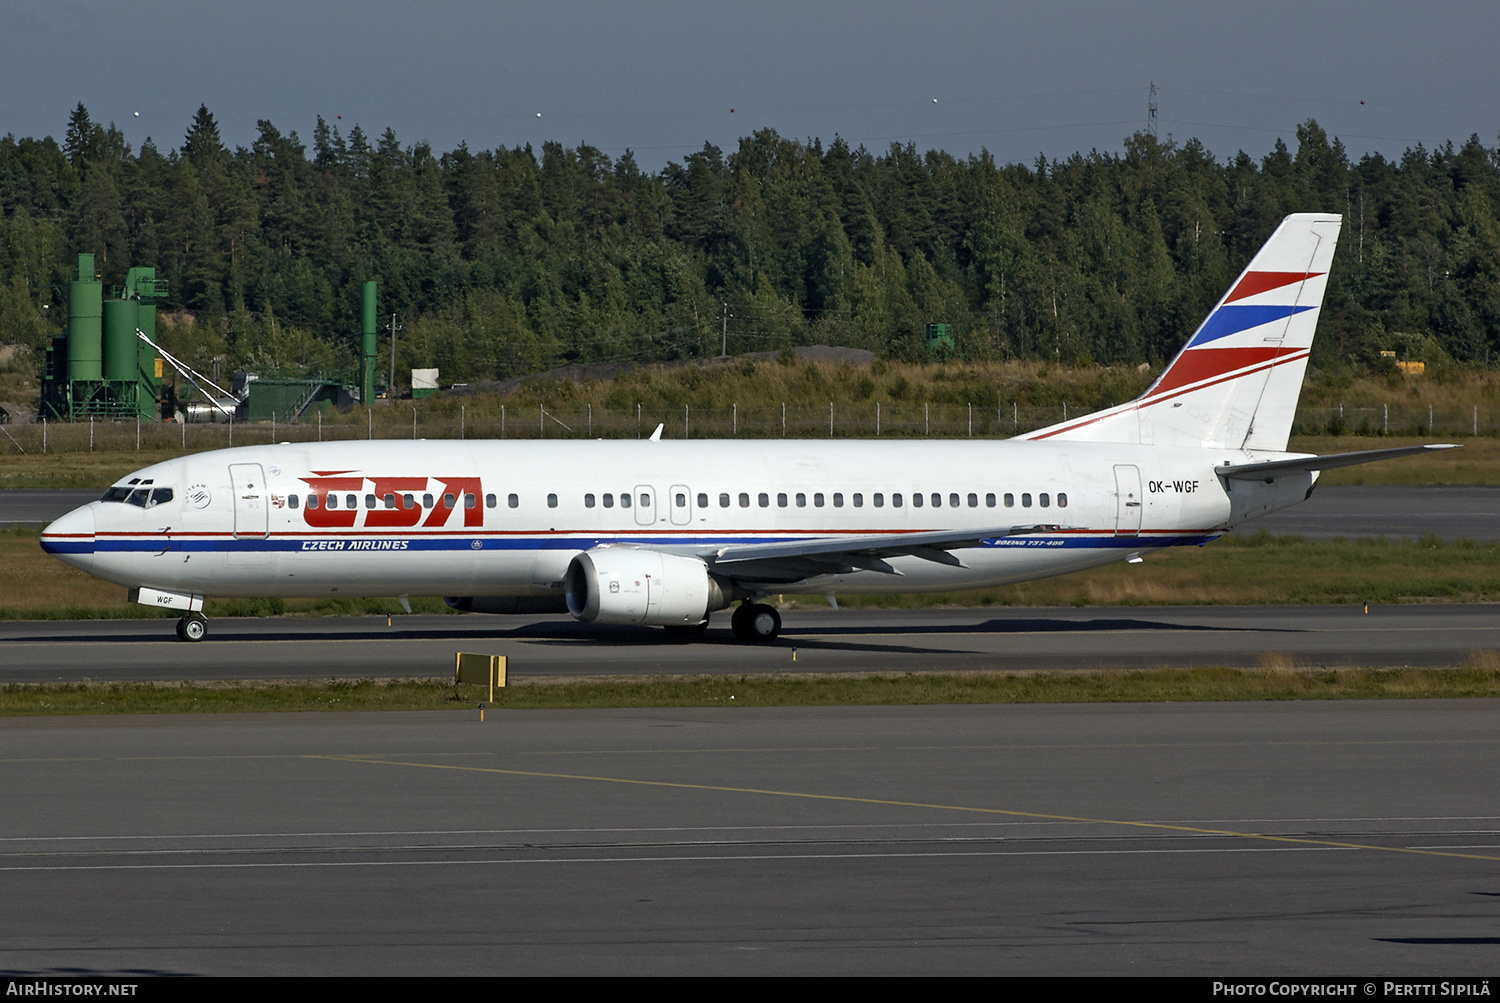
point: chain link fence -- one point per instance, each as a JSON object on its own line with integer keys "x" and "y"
{"x": 421, "y": 420}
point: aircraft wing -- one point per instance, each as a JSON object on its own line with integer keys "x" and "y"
{"x": 1271, "y": 469}
{"x": 795, "y": 560}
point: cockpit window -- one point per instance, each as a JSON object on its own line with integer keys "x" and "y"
{"x": 142, "y": 497}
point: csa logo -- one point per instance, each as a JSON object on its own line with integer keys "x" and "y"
{"x": 336, "y": 494}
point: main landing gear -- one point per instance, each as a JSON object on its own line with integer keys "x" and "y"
{"x": 192, "y": 627}
{"x": 755, "y": 622}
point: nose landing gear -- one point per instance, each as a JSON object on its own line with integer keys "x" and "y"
{"x": 192, "y": 627}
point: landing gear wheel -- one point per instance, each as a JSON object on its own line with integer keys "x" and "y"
{"x": 756, "y": 622}
{"x": 192, "y": 627}
{"x": 687, "y": 630}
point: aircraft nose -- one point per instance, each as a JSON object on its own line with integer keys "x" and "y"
{"x": 71, "y": 538}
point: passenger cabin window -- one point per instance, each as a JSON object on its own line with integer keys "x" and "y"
{"x": 472, "y": 501}
{"x": 427, "y": 501}
{"x": 489, "y": 501}
{"x": 609, "y": 501}
{"x": 801, "y": 500}
{"x": 681, "y": 500}
{"x": 817, "y": 499}
{"x": 916, "y": 500}
{"x": 879, "y": 500}
{"x": 1025, "y": 500}
{"x": 838, "y": 500}
{"x": 781, "y": 500}
{"x": 989, "y": 500}
{"x": 1062, "y": 500}
{"x": 369, "y": 501}
{"x": 1044, "y": 500}
{"x": 552, "y": 501}
{"x": 895, "y": 501}
{"x": 764, "y": 500}
{"x": 744, "y": 499}
{"x": 588, "y": 501}
{"x": 973, "y": 500}
{"x": 702, "y": 500}
{"x": 292, "y": 501}
{"x": 1010, "y": 500}
{"x": 953, "y": 501}
{"x": 407, "y": 501}
{"x": 449, "y": 501}
{"x": 724, "y": 500}
{"x": 625, "y": 500}
{"x": 513, "y": 501}
{"x": 859, "y": 500}
{"x": 312, "y": 501}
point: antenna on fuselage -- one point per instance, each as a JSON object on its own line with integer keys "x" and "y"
{"x": 656, "y": 436}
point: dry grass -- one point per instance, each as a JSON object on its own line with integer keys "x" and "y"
{"x": 1277, "y": 663}
{"x": 1484, "y": 661}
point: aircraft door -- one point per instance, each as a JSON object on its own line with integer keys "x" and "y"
{"x": 1128, "y": 495}
{"x": 645, "y": 505}
{"x": 251, "y": 511}
{"x": 681, "y": 505}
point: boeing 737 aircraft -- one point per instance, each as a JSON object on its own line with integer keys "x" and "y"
{"x": 666, "y": 533}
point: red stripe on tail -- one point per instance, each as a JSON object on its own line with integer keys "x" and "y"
{"x": 1259, "y": 282}
{"x": 1205, "y": 363}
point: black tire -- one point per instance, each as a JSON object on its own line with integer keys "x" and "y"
{"x": 756, "y": 622}
{"x": 737, "y": 621}
{"x": 192, "y": 627}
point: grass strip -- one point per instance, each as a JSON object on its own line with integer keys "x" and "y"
{"x": 1277, "y": 679}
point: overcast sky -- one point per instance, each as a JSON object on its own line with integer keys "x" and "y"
{"x": 664, "y": 77}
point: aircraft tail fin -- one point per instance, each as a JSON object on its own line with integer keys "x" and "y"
{"x": 1236, "y": 382}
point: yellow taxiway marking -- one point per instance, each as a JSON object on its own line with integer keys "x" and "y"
{"x": 849, "y": 799}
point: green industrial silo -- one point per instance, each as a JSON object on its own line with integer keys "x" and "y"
{"x": 85, "y": 324}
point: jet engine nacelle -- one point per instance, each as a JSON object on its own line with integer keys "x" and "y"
{"x": 635, "y": 586}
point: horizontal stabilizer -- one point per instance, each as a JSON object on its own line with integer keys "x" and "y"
{"x": 1272, "y": 469}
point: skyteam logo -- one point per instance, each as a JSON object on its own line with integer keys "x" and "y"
{"x": 339, "y": 498}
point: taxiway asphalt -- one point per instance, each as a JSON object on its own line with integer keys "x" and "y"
{"x": 1303, "y": 838}
{"x": 896, "y": 640}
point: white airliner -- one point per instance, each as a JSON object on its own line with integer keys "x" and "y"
{"x": 666, "y": 533}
